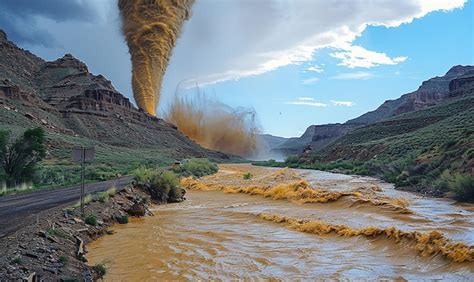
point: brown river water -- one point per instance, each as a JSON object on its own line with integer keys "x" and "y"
{"x": 289, "y": 224}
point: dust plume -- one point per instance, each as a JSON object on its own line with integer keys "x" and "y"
{"x": 151, "y": 28}
{"x": 215, "y": 125}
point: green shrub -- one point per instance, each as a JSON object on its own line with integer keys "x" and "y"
{"x": 102, "y": 197}
{"x": 142, "y": 174}
{"x": 20, "y": 157}
{"x": 87, "y": 200}
{"x": 17, "y": 260}
{"x": 247, "y": 176}
{"x": 196, "y": 168}
{"x": 63, "y": 259}
{"x": 462, "y": 185}
{"x": 165, "y": 187}
{"x": 292, "y": 159}
{"x": 100, "y": 269}
{"x": 57, "y": 232}
{"x": 91, "y": 219}
{"x": 122, "y": 219}
{"x": 111, "y": 191}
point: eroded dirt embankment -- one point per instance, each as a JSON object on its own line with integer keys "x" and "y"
{"x": 54, "y": 247}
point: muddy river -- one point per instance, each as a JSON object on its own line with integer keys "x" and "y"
{"x": 292, "y": 224}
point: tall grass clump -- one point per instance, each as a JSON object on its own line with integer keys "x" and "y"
{"x": 143, "y": 174}
{"x": 162, "y": 185}
{"x": 165, "y": 187}
{"x": 198, "y": 167}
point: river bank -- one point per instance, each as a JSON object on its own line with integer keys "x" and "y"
{"x": 53, "y": 247}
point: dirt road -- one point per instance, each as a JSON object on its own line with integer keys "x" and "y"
{"x": 20, "y": 209}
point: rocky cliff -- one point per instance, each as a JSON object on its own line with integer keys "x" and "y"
{"x": 74, "y": 106}
{"x": 430, "y": 93}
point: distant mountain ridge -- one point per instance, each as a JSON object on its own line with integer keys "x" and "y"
{"x": 430, "y": 93}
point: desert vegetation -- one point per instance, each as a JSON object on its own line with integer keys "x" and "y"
{"x": 196, "y": 168}
{"x": 163, "y": 185}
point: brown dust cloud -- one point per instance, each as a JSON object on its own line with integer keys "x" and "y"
{"x": 215, "y": 125}
{"x": 151, "y": 29}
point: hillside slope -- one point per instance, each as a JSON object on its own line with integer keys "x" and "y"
{"x": 418, "y": 150}
{"x": 430, "y": 93}
{"x": 77, "y": 108}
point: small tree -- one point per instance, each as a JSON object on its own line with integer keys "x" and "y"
{"x": 19, "y": 157}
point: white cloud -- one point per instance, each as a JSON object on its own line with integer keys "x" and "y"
{"x": 357, "y": 56}
{"x": 315, "y": 68}
{"x": 342, "y": 103}
{"x": 216, "y": 44}
{"x": 353, "y": 75}
{"x": 310, "y": 80}
{"x": 307, "y": 101}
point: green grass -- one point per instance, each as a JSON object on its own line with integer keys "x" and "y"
{"x": 198, "y": 167}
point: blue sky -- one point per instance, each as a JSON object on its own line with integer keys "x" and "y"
{"x": 295, "y": 62}
{"x": 432, "y": 45}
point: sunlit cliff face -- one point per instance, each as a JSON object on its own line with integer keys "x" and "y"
{"x": 151, "y": 28}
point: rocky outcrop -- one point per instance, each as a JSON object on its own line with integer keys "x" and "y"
{"x": 430, "y": 93}
{"x": 18, "y": 65}
{"x": 464, "y": 82}
{"x": 316, "y": 137}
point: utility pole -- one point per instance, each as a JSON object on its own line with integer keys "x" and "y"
{"x": 83, "y": 159}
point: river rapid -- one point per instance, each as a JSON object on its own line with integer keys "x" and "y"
{"x": 292, "y": 224}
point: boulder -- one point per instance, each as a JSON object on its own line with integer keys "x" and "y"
{"x": 137, "y": 209}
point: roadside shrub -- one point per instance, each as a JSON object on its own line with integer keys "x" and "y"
{"x": 100, "y": 270}
{"x": 196, "y": 167}
{"x": 142, "y": 174}
{"x": 165, "y": 187}
{"x": 102, "y": 197}
{"x": 122, "y": 219}
{"x": 111, "y": 191}
{"x": 87, "y": 200}
{"x": 91, "y": 219}
{"x": 247, "y": 176}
